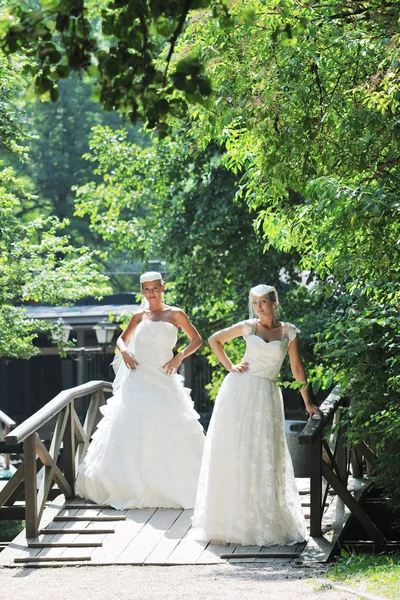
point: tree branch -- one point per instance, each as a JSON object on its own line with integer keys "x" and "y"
{"x": 174, "y": 38}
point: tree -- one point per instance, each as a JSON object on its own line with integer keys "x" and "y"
{"x": 172, "y": 200}
{"x": 306, "y": 107}
{"x": 127, "y": 48}
{"x": 37, "y": 264}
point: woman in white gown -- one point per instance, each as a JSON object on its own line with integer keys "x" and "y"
{"x": 247, "y": 492}
{"x": 147, "y": 449}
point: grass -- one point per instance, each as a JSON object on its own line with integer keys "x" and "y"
{"x": 378, "y": 574}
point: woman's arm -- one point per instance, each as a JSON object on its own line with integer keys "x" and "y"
{"x": 299, "y": 373}
{"x": 221, "y": 337}
{"x": 124, "y": 338}
{"x": 182, "y": 320}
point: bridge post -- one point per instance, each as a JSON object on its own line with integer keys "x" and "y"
{"x": 316, "y": 487}
{"x": 30, "y": 468}
{"x": 69, "y": 449}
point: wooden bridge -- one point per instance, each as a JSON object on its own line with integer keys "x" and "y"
{"x": 61, "y": 529}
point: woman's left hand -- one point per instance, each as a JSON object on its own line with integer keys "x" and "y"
{"x": 172, "y": 366}
{"x": 313, "y": 410}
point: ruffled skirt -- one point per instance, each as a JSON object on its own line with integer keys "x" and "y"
{"x": 147, "y": 449}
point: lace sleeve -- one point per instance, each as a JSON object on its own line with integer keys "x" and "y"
{"x": 249, "y": 327}
{"x": 290, "y": 332}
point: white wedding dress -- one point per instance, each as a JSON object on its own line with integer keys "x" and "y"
{"x": 147, "y": 449}
{"x": 247, "y": 492}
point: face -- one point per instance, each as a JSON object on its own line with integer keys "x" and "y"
{"x": 262, "y": 305}
{"x": 152, "y": 290}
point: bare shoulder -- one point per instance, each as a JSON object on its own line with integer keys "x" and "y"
{"x": 137, "y": 316}
{"x": 178, "y": 315}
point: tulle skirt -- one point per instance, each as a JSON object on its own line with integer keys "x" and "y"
{"x": 247, "y": 492}
{"x": 147, "y": 449}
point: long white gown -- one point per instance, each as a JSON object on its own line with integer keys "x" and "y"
{"x": 247, "y": 492}
{"x": 147, "y": 449}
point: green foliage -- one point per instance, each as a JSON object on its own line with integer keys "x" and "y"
{"x": 12, "y": 128}
{"x": 379, "y": 574}
{"x": 174, "y": 201}
{"x": 306, "y": 111}
{"x": 37, "y": 264}
{"x": 10, "y": 529}
{"x": 125, "y": 47}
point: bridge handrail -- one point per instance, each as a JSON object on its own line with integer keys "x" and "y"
{"x": 315, "y": 426}
{"x": 52, "y": 408}
{"x": 6, "y": 420}
{"x": 55, "y": 461}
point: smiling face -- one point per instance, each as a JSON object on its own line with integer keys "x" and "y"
{"x": 263, "y": 305}
{"x": 152, "y": 291}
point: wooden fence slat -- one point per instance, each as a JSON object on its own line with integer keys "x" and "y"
{"x": 52, "y": 408}
{"x": 69, "y": 452}
{"x": 12, "y": 484}
{"x": 32, "y": 524}
{"x": 55, "y": 473}
{"x": 352, "y": 505}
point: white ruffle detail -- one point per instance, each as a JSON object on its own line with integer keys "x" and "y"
{"x": 146, "y": 451}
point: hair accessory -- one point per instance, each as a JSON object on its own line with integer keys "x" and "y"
{"x": 150, "y": 276}
{"x": 261, "y": 290}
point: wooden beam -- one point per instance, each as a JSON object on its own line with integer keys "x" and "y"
{"x": 32, "y": 524}
{"x": 69, "y": 453}
{"x": 51, "y": 531}
{"x": 6, "y": 420}
{"x": 314, "y": 426}
{"x": 52, "y": 408}
{"x": 12, "y": 484}
{"x": 369, "y": 526}
{"x": 94, "y": 518}
{"x": 79, "y": 431}
{"x": 42, "y": 559}
{"x": 366, "y": 451}
{"x": 55, "y": 472}
{"x": 65, "y": 544}
{"x": 316, "y": 488}
{"x": 261, "y": 555}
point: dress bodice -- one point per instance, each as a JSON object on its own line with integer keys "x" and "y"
{"x": 153, "y": 342}
{"x": 265, "y": 358}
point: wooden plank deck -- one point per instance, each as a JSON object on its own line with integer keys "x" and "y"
{"x": 143, "y": 537}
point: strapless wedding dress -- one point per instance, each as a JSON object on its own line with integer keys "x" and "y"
{"x": 247, "y": 491}
{"x": 147, "y": 449}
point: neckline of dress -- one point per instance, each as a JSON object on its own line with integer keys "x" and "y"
{"x": 160, "y": 321}
{"x": 269, "y": 341}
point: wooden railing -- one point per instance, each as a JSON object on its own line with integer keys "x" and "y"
{"x": 330, "y": 465}
{"x": 6, "y": 423}
{"x": 44, "y": 466}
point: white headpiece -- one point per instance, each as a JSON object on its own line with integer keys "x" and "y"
{"x": 260, "y": 290}
{"x": 150, "y": 276}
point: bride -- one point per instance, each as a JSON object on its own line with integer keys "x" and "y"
{"x": 247, "y": 491}
{"x": 146, "y": 451}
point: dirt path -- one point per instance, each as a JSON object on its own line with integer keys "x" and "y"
{"x": 271, "y": 581}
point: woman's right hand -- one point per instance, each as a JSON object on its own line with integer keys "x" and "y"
{"x": 129, "y": 360}
{"x": 240, "y": 368}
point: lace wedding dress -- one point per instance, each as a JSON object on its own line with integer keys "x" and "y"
{"x": 147, "y": 449}
{"x": 247, "y": 492}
